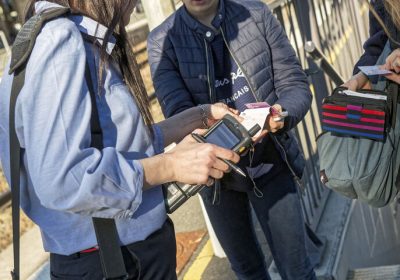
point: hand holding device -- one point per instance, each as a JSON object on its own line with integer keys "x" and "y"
{"x": 227, "y": 133}
{"x": 235, "y": 168}
{"x": 194, "y": 163}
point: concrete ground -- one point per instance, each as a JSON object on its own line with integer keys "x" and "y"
{"x": 189, "y": 218}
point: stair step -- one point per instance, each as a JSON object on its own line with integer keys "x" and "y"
{"x": 391, "y": 272}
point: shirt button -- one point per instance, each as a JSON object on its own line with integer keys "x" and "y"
{"x": 208, "y": 34}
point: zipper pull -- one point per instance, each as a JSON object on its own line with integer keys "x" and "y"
{"x": 300, "y": 184}
{"x": 251, "y": 155}
{"x": 257, "y": 192}
{"x": 217, "y": 192}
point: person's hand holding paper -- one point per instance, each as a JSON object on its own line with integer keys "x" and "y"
{"x": 270, "y": 118}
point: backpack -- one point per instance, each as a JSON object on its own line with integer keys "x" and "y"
{"x": 362, "y": 168}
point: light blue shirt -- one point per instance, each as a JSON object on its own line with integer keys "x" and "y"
{"x": 64, "y": 181}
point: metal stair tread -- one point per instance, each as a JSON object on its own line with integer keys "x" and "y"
{"x": 390, "y": 272}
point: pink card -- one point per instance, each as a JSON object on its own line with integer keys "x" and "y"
{"x": 257, "y": 105}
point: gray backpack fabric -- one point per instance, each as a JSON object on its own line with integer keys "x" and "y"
{"x": 360, "y": 168}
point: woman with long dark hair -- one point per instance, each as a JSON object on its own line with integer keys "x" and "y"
{"x": 65, "y": 181}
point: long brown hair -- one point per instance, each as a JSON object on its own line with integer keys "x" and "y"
{"x": 393, "y": 8}
{"x": 110, "y": 13}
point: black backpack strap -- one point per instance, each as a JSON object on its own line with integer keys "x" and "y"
{"x": 106, "y": 232}
{"x": 26, "y": 38}
{"x": 112, "y": 261}
{"x": 21, "y": 51}
{"x": 15, "y": 166}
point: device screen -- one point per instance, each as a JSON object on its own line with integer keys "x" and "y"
{"x": 222, "y": 136}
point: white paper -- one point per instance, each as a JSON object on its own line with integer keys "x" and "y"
{"x": 365, "y": 95}
{"x": 254, "y": 116}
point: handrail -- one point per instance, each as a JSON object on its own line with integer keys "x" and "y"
{"x": 272, "y": 4}
{"x": 5, "y": 197}
{"x": 323, "y": 62}
{"x": 5, "y": 42}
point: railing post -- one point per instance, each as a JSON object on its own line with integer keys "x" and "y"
{"x": 304, "y": 15}
{"x": 320, "y": 58}
{"x": 4, "y": 41}
{"x": 157, "y": 11}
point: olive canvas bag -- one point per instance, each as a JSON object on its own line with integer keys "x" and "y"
{"x": 362, "y": 168}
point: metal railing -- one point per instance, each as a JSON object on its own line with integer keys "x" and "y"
{"x": 337, "y": 29}
{"x": 322, "y": 62}
{"x": 5, "y": 198}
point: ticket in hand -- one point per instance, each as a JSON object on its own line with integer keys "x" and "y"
{"x": 256, "y": 113}
{"x": 374, "y": 70}
{"x": 257, "y": 105}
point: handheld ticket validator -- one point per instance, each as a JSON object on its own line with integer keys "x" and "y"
{"x": 227, "y": 133}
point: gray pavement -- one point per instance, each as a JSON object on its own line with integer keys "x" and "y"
{"x": 32, "y": 256}
{"x": 189, "y": 216}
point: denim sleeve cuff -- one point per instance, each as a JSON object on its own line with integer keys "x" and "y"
{"x": 137, "y": 200}
{"x": 158, "y": 141}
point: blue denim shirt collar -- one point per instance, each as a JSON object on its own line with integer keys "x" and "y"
{"x": 84, "y": 24}
{"x": 197, "y": 26}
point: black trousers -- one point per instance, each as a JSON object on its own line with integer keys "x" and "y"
{"x": 151, "y": 259}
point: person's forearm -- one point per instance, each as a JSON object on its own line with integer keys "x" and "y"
{"x": 180, "y": 125}
{"x": 361, "y": 78}
{"x": 156, "y": 170}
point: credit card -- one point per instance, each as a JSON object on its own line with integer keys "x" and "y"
{"x": 374, "y": 70}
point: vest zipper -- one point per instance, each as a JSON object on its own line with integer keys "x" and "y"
{"x": 296, "y": 178}
{"x": 217, "y": 184}
{"x": 256, "y": 190}
{"x": 239, "y": 65}
{"x": 210, "y": 91}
